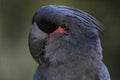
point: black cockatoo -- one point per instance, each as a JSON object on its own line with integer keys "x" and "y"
{"x": 64, "y": 41}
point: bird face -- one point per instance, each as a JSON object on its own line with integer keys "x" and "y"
{"x": 55, "y": 27}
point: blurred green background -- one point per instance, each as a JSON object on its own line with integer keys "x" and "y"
{"x": 16, "y": 62}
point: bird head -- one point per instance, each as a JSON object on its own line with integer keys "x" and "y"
{"x": 60, "y": 27}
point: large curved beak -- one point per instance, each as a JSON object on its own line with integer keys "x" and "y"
{"x": 37, "y": 39}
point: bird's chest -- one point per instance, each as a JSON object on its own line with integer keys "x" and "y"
{"x": 70, "y": 71}
{"x": 62, "y": 72}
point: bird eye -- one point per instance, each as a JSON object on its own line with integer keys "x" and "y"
{"x": 65, "y": 27}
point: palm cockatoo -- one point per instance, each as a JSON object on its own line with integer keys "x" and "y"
{"x": 64, "y": 41}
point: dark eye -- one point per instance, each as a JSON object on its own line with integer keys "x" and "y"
{"x": 65, "y": 27}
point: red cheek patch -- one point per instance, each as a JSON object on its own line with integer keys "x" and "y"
{"x": 58, "y": 30}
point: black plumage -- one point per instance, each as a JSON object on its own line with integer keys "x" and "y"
{"x": 71, "y": 53}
